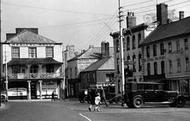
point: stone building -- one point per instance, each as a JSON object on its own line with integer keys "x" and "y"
{"x": 166, "y": 52}
{"x": 32, "y": 65}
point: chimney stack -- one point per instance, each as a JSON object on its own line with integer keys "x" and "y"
{"x": 181, "y": 15}
{"x": 130, "y": 19}
{"x": 162, "y": 13}
{"x": 105, "y": 49}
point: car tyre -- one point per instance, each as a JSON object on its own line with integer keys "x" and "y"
{"x": 180, "y": 102}
{"x": 137, "y": 102}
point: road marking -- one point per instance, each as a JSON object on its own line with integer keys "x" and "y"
{"x": 85, "y": 117}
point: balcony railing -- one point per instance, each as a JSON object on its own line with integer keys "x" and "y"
{"x": 35, "y": 76}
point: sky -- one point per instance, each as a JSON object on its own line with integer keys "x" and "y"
{"x": 78, "y": 22}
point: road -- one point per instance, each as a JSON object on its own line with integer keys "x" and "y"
{"x": 75, "y": 111}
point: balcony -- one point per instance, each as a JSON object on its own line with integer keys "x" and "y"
{"x": 35, "y": 76}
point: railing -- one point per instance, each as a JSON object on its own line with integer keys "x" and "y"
{"x": 35, "y": 76}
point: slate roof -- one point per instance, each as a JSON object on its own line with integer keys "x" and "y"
{"x": 26, "y": 37}
{"x": 25, "y": 61}
{"x": 106, "y": 63}
{"x": 167, "y": 31}
{"x": 92, "y": 53}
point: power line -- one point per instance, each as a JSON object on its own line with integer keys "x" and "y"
{"x": 52, "y": 9}
{"x": 137, "y": 3}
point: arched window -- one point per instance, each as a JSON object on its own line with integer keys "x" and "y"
{"x": 155, "y": 68}
{"x": 148, "y": 68}
{"x": 128, "y": 43}
{"x": 139, "y": 38}
{"x": 162, "y": 67}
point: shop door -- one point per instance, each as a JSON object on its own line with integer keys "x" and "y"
{"x": 33, "y": 90}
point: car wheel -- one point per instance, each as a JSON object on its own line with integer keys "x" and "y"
{"x": 137, "y": 102}
{"x": 180, "y": 102}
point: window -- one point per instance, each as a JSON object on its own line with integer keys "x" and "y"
{"x": 124, "y": 43}
{"x": 178, "y": 65}
{"x": 117, "y": 45}
{"x": 187, "y": 63}
{"x": 162, "y": 67}
{"x": 128, "y": 58}
{"x": 148, "y": 69}
{"x": 134, "y": 67}
{"x": 186, "y": 44}
{"x": 161, "y": 49}
{"x": 32, "y": 52}
{"x": 139, "y": 38}
{"x": 34, "y": 69}
{"x": 148, "y": 52}
{"x": 154, "y": 50}
{"x": 49, "y": 52}
{"x": 170, "y": 66}
{"x": 169, "y": 47}
{"x": 49, "y": 68}
{"x": 75, "y": 71}
{"x": 133, "y": 42}
{"x": 155, "y": 68}
{"x": 128, "y": 43}
{"x": 118, "y": 66}
{"x": 15, "y": 52}
{"x": 140, "y": 66}
{"x": 177, "y": 45}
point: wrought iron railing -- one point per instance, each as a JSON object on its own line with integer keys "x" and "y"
{"x": 35, "y": 76}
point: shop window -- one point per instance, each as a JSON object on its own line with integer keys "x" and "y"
{"x": 15, "y": 52}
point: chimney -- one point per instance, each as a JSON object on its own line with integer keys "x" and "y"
{"x": 181, "y": 15}
{"x": 91, "y": 46}
{"x": 10, "y": 35}
{"x": 34, "y": 30}
{"x": 130, "y": 20}
{"x": 162, "y": 13}
{"x": 70, "y": 47}
{"x": 105, "y": 49}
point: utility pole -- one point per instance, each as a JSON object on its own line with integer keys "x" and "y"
{"x": 0, "y": 56}
{"x": 121, "y": 46}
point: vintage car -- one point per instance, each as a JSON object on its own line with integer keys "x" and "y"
{"x": 138, "y": 93}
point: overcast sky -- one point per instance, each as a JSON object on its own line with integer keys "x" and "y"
{"x": 77, "y": 22}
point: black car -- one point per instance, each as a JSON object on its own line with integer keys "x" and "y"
{"x": 137, "y": 93}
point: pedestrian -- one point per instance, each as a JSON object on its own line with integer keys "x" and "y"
{"x": 53, "y": 96}
{"x": 97, "y": 102}
{"x": 91, "y": 99}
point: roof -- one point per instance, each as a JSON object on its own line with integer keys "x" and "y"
{"x": 106, "y": 63}
{"x": 29, "y": 37}
{"x": 25, "y": 61}
{"x": 134, "y": 29}
{"x": 169, "y": 30}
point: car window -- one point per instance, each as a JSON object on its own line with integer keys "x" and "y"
{"x": 148, "y": 87}
{"x": 140, "y": 87}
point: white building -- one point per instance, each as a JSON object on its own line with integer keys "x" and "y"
{"x": 33, "y": 65}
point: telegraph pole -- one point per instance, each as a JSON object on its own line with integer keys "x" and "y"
{"x": 0, "y": 56}
{"x": 121, "y": 46}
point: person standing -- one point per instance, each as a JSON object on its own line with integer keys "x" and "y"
{"x": 91, "y": 99}
{"x": 53, "y": 96}
{"x": 97, "y": 102}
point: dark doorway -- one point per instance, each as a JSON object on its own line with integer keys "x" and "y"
{"x": 33, "y": 90}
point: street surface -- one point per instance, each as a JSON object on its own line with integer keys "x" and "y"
{"x": 72, "y": 110}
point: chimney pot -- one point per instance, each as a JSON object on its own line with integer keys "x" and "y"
{"x": 181, "y": 15}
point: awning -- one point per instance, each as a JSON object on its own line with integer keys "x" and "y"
{"x": 26, "y": 61}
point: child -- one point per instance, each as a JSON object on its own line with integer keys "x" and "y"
{"x": 97, "y": 102}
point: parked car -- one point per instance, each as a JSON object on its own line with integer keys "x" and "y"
{"x": 4, "y": 98}
{"x": 138, "y": 93}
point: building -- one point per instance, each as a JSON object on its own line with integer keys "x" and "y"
{"x": 68, "y": 54}
{"x": 101, "y": 72}
{"x": 133, "y": 35}
{"x": 32, "y": 65}
{"x": 166, "y": 52}
{"x": 78, "y": 64}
